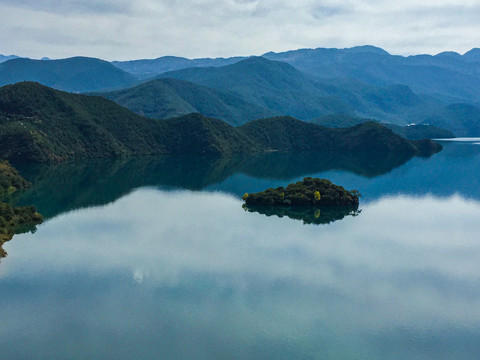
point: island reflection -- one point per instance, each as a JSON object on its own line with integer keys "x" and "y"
{"x": 309, "y": 215}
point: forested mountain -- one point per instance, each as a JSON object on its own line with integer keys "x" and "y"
{"x": 40, "y": 124}
{"x": 448, "y": 76}
{"x": 286, "y": 90}
{"x": 462, "y": 119}
{"x": 289, "y": 134}
{"x": 166, "y": 98}
{"x": 411, "y": 132}
{"x": 13, "y": 219}
{"x": 365, "y": 82}
{"x": 78, "y": 74}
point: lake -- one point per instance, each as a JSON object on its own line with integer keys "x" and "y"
{"x": 155, "y": 258}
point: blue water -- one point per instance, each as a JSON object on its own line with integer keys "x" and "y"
{"x": 129, "y": 265}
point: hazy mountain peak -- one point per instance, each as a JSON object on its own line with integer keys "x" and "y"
{"x": 4, "y": 58}
{"x": 76, "y": 74}
{"x": 260, "y": 62}
{"x": 255, "y": 60}
{"x": 450, "y": 54}
{"x": 367, "y": 49}
{"x": 473, "y": 54}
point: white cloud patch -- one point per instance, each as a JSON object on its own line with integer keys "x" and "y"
{"x": 121, "y": 29}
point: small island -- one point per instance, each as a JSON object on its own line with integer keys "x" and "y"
{"x": 312, "y": 192}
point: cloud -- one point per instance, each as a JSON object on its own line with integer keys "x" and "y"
{"x": 121, "y": 29}
{"x": 72, "y": 6}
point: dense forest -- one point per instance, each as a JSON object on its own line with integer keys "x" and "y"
{"x": 14, "y": 219}
{"x": 41, "y": 124}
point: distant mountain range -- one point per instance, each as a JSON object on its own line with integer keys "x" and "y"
{"x": 39, "y": 124}
{"x": 77, "y": 74}
{"x": 364, "y": 82}
{"x": 448, "y": 76}
{"x": 282, "y": 88}
{"x": 4, "y": 58}
{"x": 150, "y": 68}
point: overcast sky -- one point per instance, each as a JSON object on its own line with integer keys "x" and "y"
{"x": 132, "y": 29}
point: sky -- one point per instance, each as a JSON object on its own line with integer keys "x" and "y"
{"x": 134, "y": 29}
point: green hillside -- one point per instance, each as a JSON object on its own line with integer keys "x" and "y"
{"x": 339, "y": 120}
{"x": 289, "y": 134}
{"x": 417, "y": 132}
{"x": 14, "y": 219}
{"x": 10, "y": 180}
{"x": 280, "y": 87}
{"x": 462, "y": 119}
{"x": 268, "y": 84}
{"x": 78, "y": 74}
{"x": 448, "y": 76}
{"x": 411, "y": 132}
{"x": 41, "y": 124}
{"x": 38, "y": 123}
{"x": 166, "y": 98}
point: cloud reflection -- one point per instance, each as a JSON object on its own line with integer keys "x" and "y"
{"x": 406, "y": 264}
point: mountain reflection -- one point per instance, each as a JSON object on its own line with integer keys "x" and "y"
{"x": 58, "y": 188}
{"x": 309, "y": 215}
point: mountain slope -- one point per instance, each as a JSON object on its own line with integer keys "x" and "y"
{"x": 13, "y": 219}
{"x": 449, "y": 77}
{"x": 78, "y": 74}
{"x": 40, "y": 124}
{"x": 166, "y": 98}
{"x": 286, "y": 90}
{"x": 267, "y": 84}
{"x": 411, "y": 132}
{"x": 462, "y": 119}
{"x": 289, "y": 134}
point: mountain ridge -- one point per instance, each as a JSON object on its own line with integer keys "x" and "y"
{"x": 4, "y": 58}
{"x": 283, "y": 88}
{"x": 76, "y": 74}
{"x": 40, "y": 124}
{"x": 167, "y": 98}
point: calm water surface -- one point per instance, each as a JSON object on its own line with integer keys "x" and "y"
{"x": 157, "y": 259}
